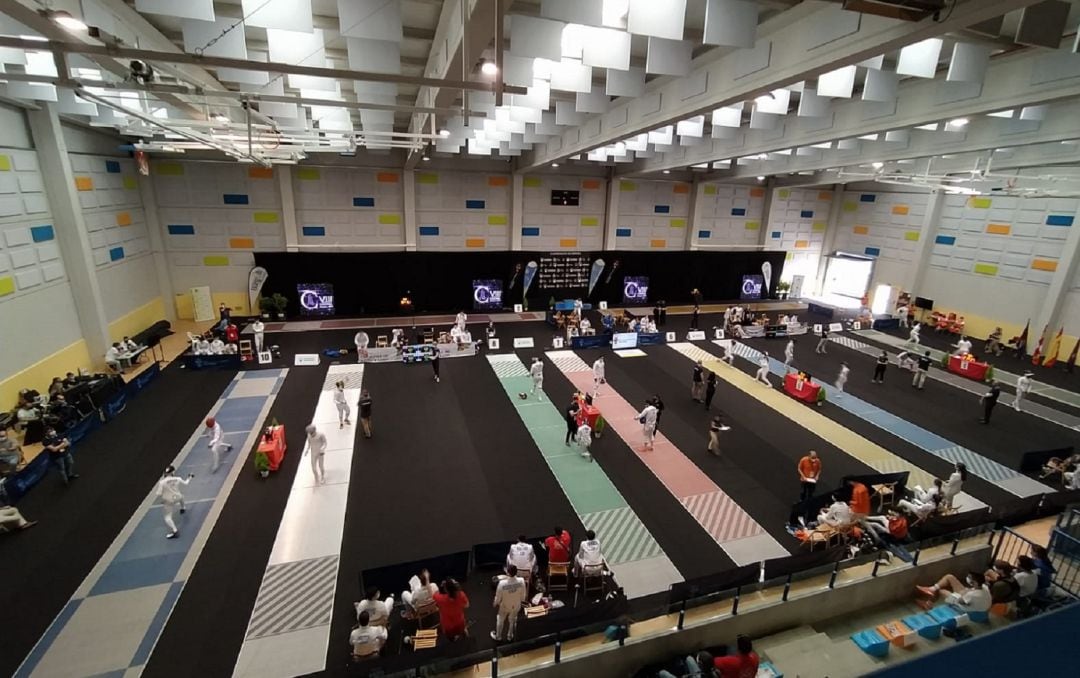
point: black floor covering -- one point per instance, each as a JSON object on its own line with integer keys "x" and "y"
{"x": 118, "y": 464}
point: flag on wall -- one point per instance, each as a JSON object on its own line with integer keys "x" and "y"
{"x": 1036, "y": 357}
{"x": 1054, "y": 350}
{"x": 1071, "y": 362}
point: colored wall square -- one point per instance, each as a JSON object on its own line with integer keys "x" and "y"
{"x": 710, "y": 189}
{"x": 475, "y": 204}
{"x": 911, "y": 235}
{"x": 818, "y": 226}
{"x": 84, "y": 183}
{"x": 112, "y": 167}
{"x": 530, "y": 231}
{"x": 389, "y": 219}
{"x": 363, "y": 202}
{"x": 1059, "y": 220}
{"x": 172, "y": 169}
{"x": 5, "y": 163}
{"x": 861, "y": 230}
{"x": 872, "y": 251}
{"x": 123, "y": 218}
{"x": 43, "y": 233}
{"x": 627, "y": 186}
{"x": 498, "y": 181}
{"x": 265, "y": 217}
{"x": 313, "y": 231}
{"x": 567, "y": 242}
{"x": 1044, "y": 265}
{"x": 850, "y": 206}
{"x": 776, "y": 235}
{"x": 242, "y": 243}
{"x": 704, "y": 234}
{"x": 825, "y": 196}
{"x": 945, "y": 240}
{"x": 590, "y": 221}
{"x": 900, "y": 209}
{"x": 7, "y": 286}
{"x": 307, "y": 173}
{"x": 753, "y": 225}
{"x": 806, "y": 214}
{"x": 760, "y": 193}
{"x": 116, "y": 254}
{"x": 261, "y": 172}
{"x": 867, "y": 197}
{"x": 657, "y": 244}
{"x": 981, "y": 204}
{"x": 591, "y": 184}
{"x": 181, "y": 229}
{"x": 622, "y": 232}
{"x": 738, "y": 211}
{"x": 802, "y": 244}
{"x": 387, "y": 177}
{"x": 429, "y": 230}
{"x": 474, "y": 242}
{"x": 678, "y": 223}
{"x": 998, "y": 229}
{"x": 661, "y": 209}
{"x": 131, "y": 183}
{"x": 235, "y": 198}
{"x": 784, "y": 193}
{"x": 215, "y": 260}
{"x": 532, "y": 182}
{"x": 681, "y": 188}
{"x": 427, "y": 178}
{"x": 497, "y": 220}
{"x": 986, "y": 269}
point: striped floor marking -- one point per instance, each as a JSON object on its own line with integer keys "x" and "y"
{"x": 641, "y": 566}
{"x": 1006, "y": 478}
{"x": 849, "y": 442}
{"x": 739, "y": 535}
{"x": 289, "y": 628}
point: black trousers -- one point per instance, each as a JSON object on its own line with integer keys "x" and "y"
{"x": 709, "y": 393}
{"x": 807, "y": 490}
{"x": 879, "y": 373}
{"x": 988, "y": 407}
{"x": 571, "y": 430}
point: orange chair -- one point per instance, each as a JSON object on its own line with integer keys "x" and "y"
{"x": 943, "y": 324}
{"x": 958, "y": 326}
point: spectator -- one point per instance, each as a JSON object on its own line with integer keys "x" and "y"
{"x": 891, "y": 527}
{"x": 558, "y": 546}
{"x": 56, "y": 387}
{"x": 11, "y": 455}
{"x": 1003, "y": 586}
{"x": 421, "y": 591}
{"x": 1043, "y": 567}
{"x": 378, "y": 610}
{"x": 59, "y": 450}
{"x": 452, "y": 605}
{"x": 700, "y": 665}
{"x": 742, "y": 664}
{"x": 837, "y": 515}
{"x": 112, "y": 356}
{"x": 1026, "y": 576}
{"x": 366, "y": 639}
{"x": 63, "y": 411}
{"x": 70, "y": 379}
{"x": 971, "y": 595}
{"x": 128, "y": 345}
{"x": 521, "y": 555}
{"x": 11, "y": 519}
{"x": 589, "y": 553}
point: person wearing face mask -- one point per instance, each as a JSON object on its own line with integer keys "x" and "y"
{"x": 971, "y": 595}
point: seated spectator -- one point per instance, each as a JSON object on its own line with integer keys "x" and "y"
{"x": 422, "y": 591}
{"x": 63, "y": 411}
{"x": 701, "y": 664}
{"x": 11, "y": 520}
{"x": 217, "y": 346}
{"x": 1026, "y": 576}
{"x": 452, "y": 603}
{"x": 128, "y": 345}
{"x": 1056, "y": 465}
{"x": 742, "y": 664}
{"x": 889, "y": 528}
{"x": 522, "y": 556}
{"x": 366, "y": 638}
{"x": 837, "y": 515}
{"x": 1044, "y": 568}
{"x": 11, "y": 455}
{"x": 927, "y": 505}
{"x": 70, "y": 379}
{"x": 378, "y": 611}
{"x": 1003, "y": 586}
{"x": 589, "y": 554}
{"x": 558, "y": 546}
{"x": 26, "y": 413}
{"x": 30, "y": 397}
{"x": 56, "y": 387}
{"x": 112, "y": 356}
{"x": 971, "y": 595}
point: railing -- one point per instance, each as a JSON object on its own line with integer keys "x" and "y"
{"x": 726, "y": 600}
{"x": 1064, "y": 551}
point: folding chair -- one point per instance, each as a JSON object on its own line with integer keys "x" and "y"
{"x": 562, "y": 572}
{"x": 592, "y": 580}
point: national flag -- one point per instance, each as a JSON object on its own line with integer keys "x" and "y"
{"x": 1021, "y": 341}
{"x": 1036, "y": 357}
{"x": 1054, "y": 350}
{"x": 1071, "y": 362}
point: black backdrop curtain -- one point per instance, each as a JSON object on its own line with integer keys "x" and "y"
{"x": 374, "y": 282}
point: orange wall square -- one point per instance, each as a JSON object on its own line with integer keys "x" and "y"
{"x": 84, "y": 183}
{"x": 261, "y": 172}
{"x": 900, "y": 209}
{"x": 998, "y": 229}
{"x": 590, "y": 184}
{"x": 386, "y": 177}
{"x": 498, "y": 181}
{"x": 123, "y": 219}
{"x": 862, "y": 230}
{"x": 682, "y": 188}
{"x": 474, "y": 242}
{"x": 568, "y": 242}
{"x": 241, "y": 243}
{"x": 757, "y": 192}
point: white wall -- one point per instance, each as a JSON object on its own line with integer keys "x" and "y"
{"x": 355, "y": 208}
{"x": 798, "y": 218}
{"x": 458, "y": 211}
{"x": 548, "y": 227}
{"x": 729, "y": 215}
{"x": 653, "y": 215}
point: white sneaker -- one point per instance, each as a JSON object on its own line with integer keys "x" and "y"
{"x": 171, "y": 535}
{"x": 494, "y": 637}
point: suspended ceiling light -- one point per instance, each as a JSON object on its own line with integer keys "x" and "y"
{"x": 958, "y": 122}
{"x": 667, "y": 171}
{"x": 488, "y": 68}
{"x": 444, "y": 133}
{"x": 65, "y": 19}
{"x": 761, "y": 178}
{"x": 426, "y": 159}
{"x": 219, "y": 117}
{"x": 555, "y": 164}
{"x": 877, "y": 165}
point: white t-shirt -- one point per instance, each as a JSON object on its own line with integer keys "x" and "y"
{"x": 377, "y": 610}
{"x": 1028, "y": 581}
{"x": 974, "y": 600}
{"x": 257, "y": 327}
{"x": 112, "y": 354}
{"x": 838, "y": 515}
{"x": 367, "y": 639}
{"x": 584, "y": 435}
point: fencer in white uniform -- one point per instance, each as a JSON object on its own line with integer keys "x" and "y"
{"x": 841, "y": 379}
{"x": 316, "y": 447}
{"x": 583, "y": 438}
{"x": 343, "y": 409}
{"x": 536, "y": 371}
{"x": 589, "y": 554}
{"x": 217, "y": 445}
{"x": 584, "y": 326}
{"x": 522, "y": 555}
{"x": 578, "y": 307}
{"x": 789, "y": 354}
{"x": 598, "y": 375}
{"x": 509, "y": 596}
{"x": 963, "y": 346}
{"x": 647, "y": 417}
{"x": 259, "y": 329}
{"x": 172, "y": 498}
{"x": 1023, "y": 387}
{"x": 729, "y": 353}
{"x": 913, "y": 335}
{"x": 763, "y": 370}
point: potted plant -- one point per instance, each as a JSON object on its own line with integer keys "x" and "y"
{"x": 280, "y": 303}
{"x": 782, "y": 289}
{"x": 266, "y": 307}
{"x": 262, "y": 464}
{"x": 820, "y": 397}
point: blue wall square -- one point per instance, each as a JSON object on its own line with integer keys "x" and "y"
{"x": 314, "y": 230}
{"x": 661, "y": 209}
{"x": 945, "y": 240}
{"x": 1059, "y": 220}
{"x": 622, "y": 232}
{"x": 112, "y": 167}
{"x": 429, "y": 230}
{"x": 807, "y": 214}
{"x": 872, "y": 251}
{"x": 43, "y": 233}
{"x": 116, "y": 254}
{"x": 530, "y": 231}
{"x": 777, "y": 235}
{"x": 867, "y": 197}
{"x": 363, "y": 202}
{"x": 235, "y": 198}
{"x": 181, "y": 229}
{"x": 475, "y": 204}
{"x": 738, "y": 211}
{"x": 704, "y": 234}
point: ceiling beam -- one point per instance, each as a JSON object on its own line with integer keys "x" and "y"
{"x": 796, "y": 45}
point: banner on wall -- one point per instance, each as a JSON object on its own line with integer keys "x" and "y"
{"x": 256, "y": 278}
{"x": 766, "y": 270}
{"x": 202, "y": 304}
{"x": 594, "y": 274}
{"x": 796, "y": 287}
{"x": 530, "y": 273}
